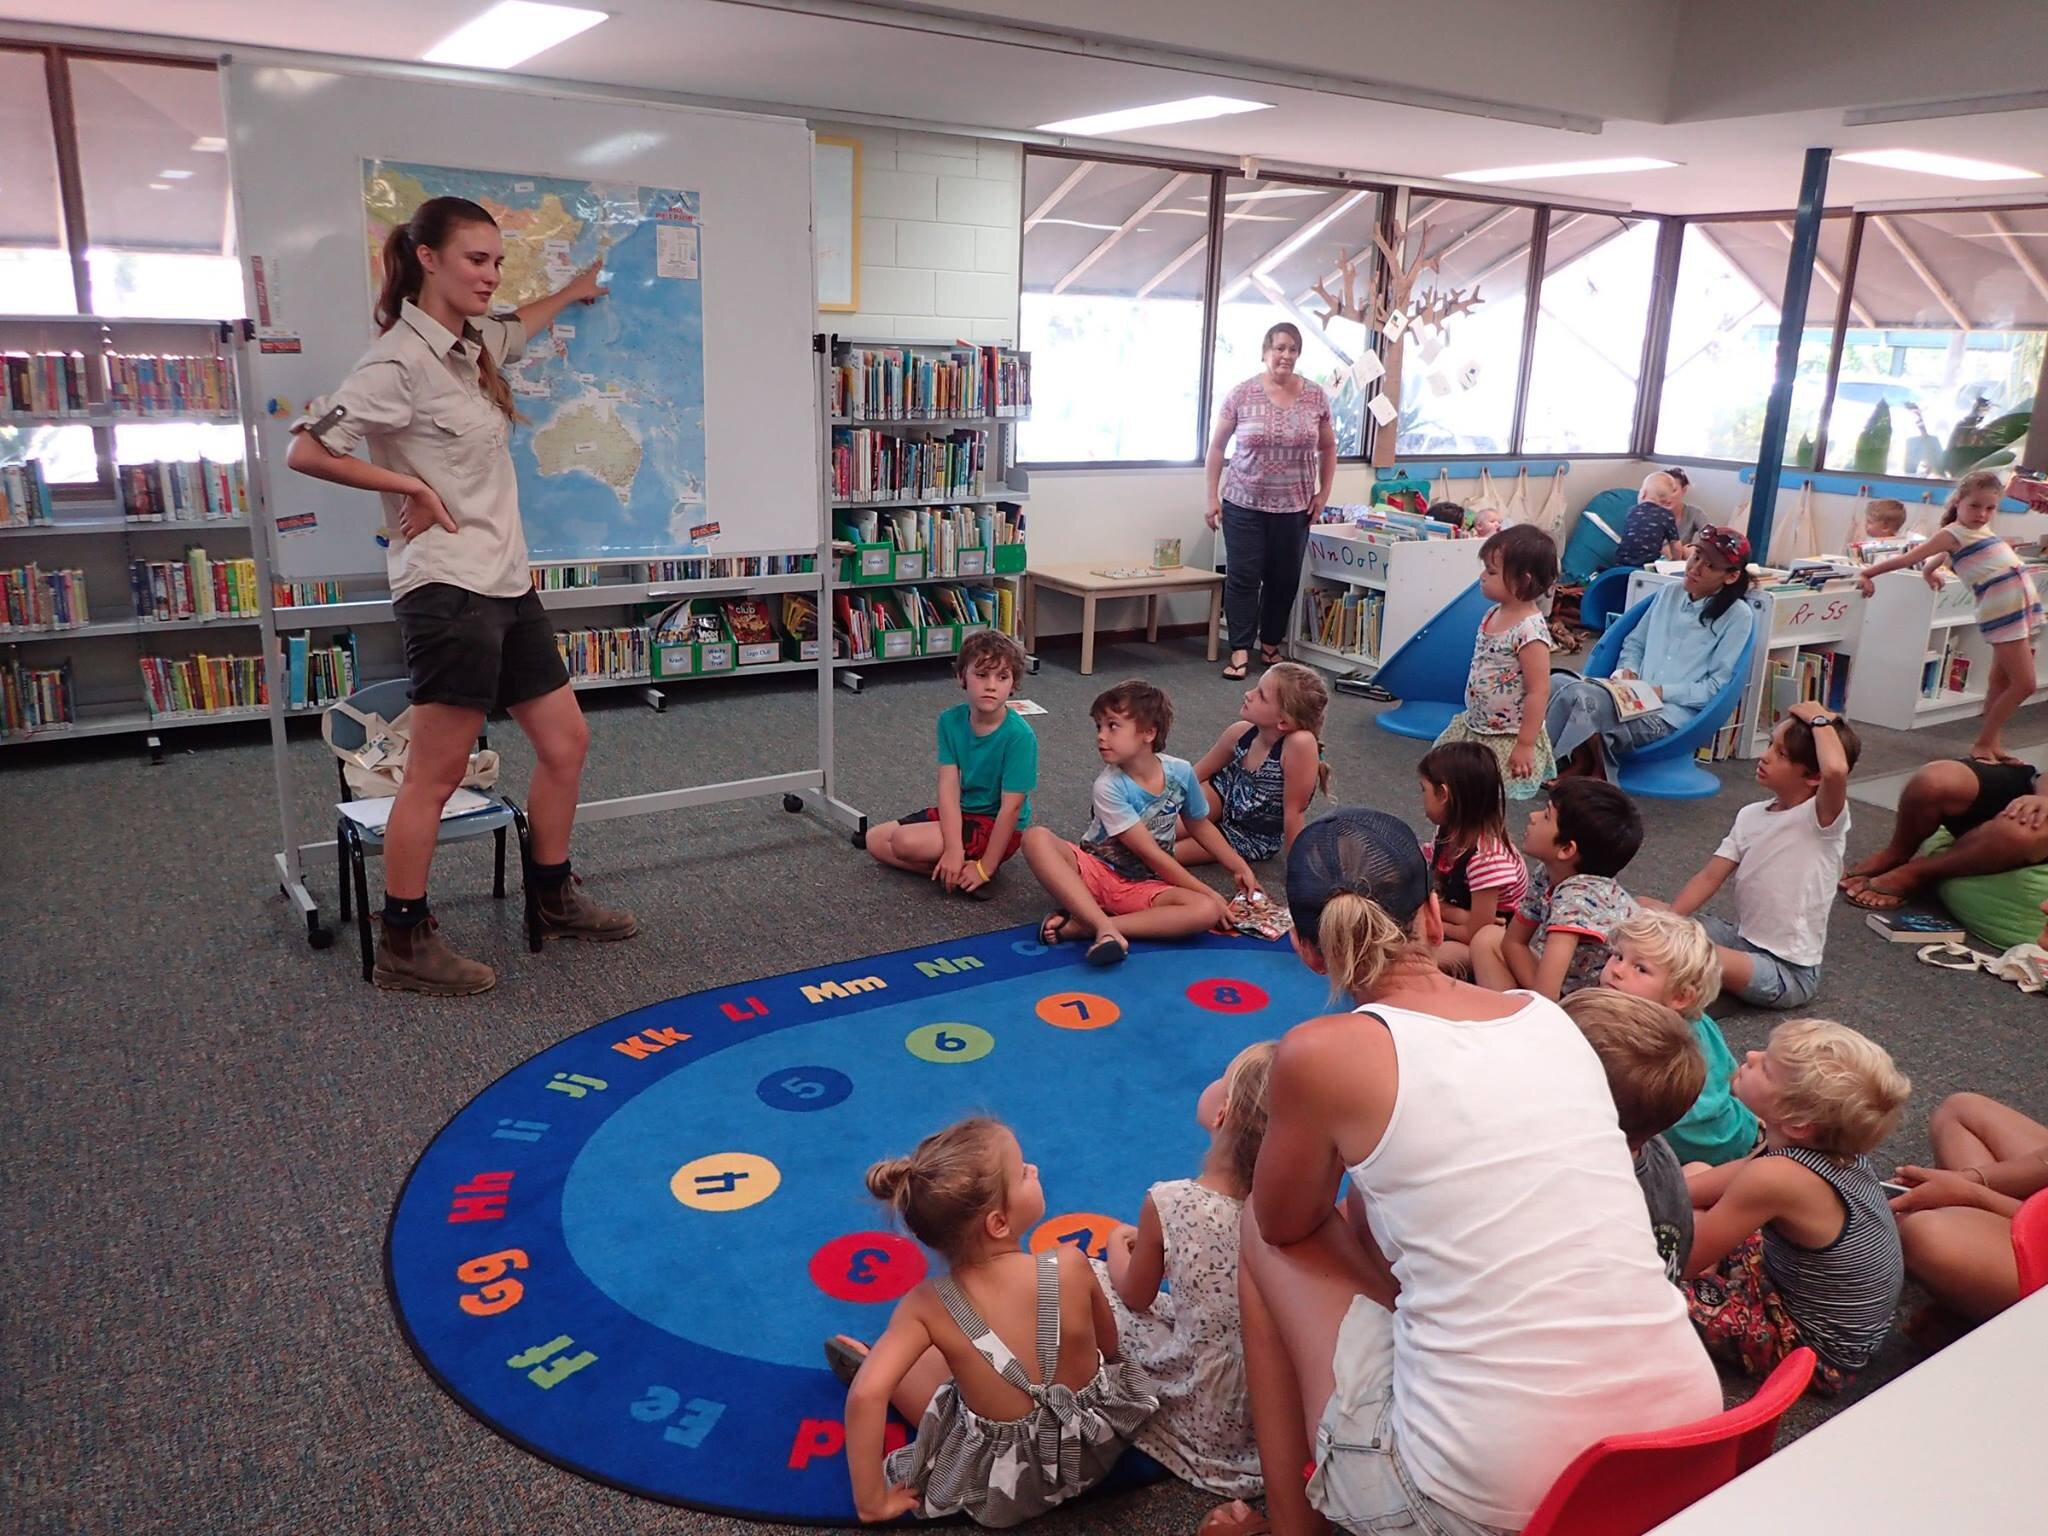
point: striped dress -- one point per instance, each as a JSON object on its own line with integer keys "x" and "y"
{"x": 1841, "y": 1296}
{"x": 1001, "y": 1472}
{"x": 2007, "y": 606}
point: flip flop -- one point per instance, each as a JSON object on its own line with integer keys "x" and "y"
{"x": 844, "y": 1359}
{"x": 1270, "y": 655}
{"x": 1871, "y": 899}
{"x": 1052, "y": 928}
{"x": 1107, "y": 950}
{"x": 1236, "y": 671}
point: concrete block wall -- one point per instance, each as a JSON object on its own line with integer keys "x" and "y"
{"x": 939, "y": 224}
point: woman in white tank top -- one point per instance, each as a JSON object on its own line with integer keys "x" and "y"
{"x": 1488, "y": 1303}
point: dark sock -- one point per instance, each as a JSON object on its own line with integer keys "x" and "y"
{"x": 406, "y": 912}
{"x": 548, "y": 879}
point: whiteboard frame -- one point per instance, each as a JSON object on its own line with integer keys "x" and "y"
{"x": 813, "y": 789}
{"x": 848, "y": 238}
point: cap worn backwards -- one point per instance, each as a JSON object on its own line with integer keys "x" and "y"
{"x": 1368, "y": 853}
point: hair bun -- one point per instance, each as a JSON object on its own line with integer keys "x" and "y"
{"x": 889, "y": 1179}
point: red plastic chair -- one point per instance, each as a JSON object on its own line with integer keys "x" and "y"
{"x": 1626, "y": 1484}
{"x": 2030, "y": 1243}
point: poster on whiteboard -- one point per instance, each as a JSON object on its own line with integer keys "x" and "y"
{"x": 610, "y": 455}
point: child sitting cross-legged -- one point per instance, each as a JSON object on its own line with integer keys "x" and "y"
{"x": 1670, "y": 960}
{"x": 1007, "y": 1363}
{"x": 1786, "y": 856}
{"x": 988, "y": 766}
{"x": 1121, "y": 881}
{"x": 1654, "y": 1070}
{"x": 1557, "y": 942}
{"x": 1478, "y": 877}
{"x": 1797, "y": 1245}
{"x": 1263, "y": 771}
{"x": 1187, "y": 1338}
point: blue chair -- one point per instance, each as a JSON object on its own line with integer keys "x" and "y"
{"x": 1605, "y": 596}
{"x": 354, "y": 843}
{"x": 1665, "y": 770}
{"x": 1427, "y": 671}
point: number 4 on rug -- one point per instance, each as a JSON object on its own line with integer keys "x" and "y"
{"x": 546, "y": 1376}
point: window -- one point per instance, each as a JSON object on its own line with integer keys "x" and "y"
{"x": 1279, "y": 240}
{"x": 1945, "y": 337}
{"x": 152, "y": 156}
{"x": 1115, "y": 277}
{"x": 1458, "y": 382}
{"x": 1593, "y": 308}
{"x": 1722, "y": 356}
{"x": 34, "y": 268}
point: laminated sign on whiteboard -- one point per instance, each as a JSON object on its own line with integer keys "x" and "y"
{"x": 610, "y": 457}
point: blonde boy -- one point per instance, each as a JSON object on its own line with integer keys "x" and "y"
{"x": 1670, "y": 960}
{"x": 1884, "y": 519}
{"x": 1798, "y": 1245}
{"x": 1654, "y": 1070}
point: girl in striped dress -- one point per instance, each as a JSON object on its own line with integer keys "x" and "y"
{"x": 1797, "y": 1244}
{"x": 2008, "y": 608}
{"x": 1007, "y": 1364}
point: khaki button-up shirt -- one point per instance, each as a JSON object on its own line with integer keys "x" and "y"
{"x": 417, "y": 399}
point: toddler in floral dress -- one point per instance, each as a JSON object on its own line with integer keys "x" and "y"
{"x": 1188, "y": 1342}
{"x": 1508, "y": 688}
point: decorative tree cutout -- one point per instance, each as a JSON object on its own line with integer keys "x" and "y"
{"x": 1382, "y": 302}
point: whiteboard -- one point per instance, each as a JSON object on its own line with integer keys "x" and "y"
{"x": 299, "y": 138}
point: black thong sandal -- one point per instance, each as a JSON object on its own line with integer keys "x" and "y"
{"x": 1270, "y": 655}
{"x": 844, "y": 1359}
{"x": 1235, "y": 671}
{"x": 1107, "y": 949}
{"x": 1052, "y": 928}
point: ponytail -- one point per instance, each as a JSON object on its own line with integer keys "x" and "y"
{"x": 430, "y": 227}
{"x": 1302, "y": 697}
{"x": 1360, "y": 944}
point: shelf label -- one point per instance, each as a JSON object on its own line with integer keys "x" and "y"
{"x": 1347, "y": 557}
{"x": 1823, "y": 616}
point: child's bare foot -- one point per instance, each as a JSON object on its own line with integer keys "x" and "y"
{"x": 1236, "y": 1518}
{"x": 845, "y": 1354}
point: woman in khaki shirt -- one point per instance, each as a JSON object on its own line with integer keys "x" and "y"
{"x": 432, "y": 403}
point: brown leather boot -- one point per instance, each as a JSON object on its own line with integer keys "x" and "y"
{"x": 418, "y": 959}
{"x": 569, "y": 914}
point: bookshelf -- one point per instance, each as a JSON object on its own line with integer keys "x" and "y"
{"x": 1809, "y": 648}
{"x": 92, "y": 517}
{"x": 1924, "y": 661}
{"x": 926, "y": 498}
{"x": 1366, "y": 589}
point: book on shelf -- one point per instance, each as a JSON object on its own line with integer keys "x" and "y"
{"x": 747, "y": 618}
{"x": 619, "y": 653}
{"x": 317, "y": 675}
{"x": 304, "y": 594}
{"x": 183, "y": 491}
{"x": 1724, "y": 744}
{"x": 799, "y": 616}
{"x": 1914, "y": 928}
{"x": 37, "y": 698}
{"x": 54, "y": 384}
{"x": 193, "y": 588}
{"x": 1345, "y": 619}
{"x": 33, "y": 598}
{"x": 203, "y": 684}
{"x": 1389, "y": 520}
{"x": 871, "y": 465}
{"x": 724, "y": 567}
{"x": 688, "y": 621}
{"x": 913, "y": 384}
{"x": 27, "y": 495}
{"x": 152, "y": 385}
{"x": 1815, "y": 676}
{"x": 1947, "y": 668}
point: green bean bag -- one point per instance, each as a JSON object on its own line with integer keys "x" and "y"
{"x": 2003, "y": 909}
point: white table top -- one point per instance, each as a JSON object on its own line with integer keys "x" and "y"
{"x": 1090, "y": 578}
{"x": 1957, "y": 1444}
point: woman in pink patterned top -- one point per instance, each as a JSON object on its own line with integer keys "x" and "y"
{"x": 1278, "y": 480}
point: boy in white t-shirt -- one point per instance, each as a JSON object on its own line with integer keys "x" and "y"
{"x": 1786, "y": 857}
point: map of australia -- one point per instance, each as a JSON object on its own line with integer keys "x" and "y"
{"x": 610, "y": 457}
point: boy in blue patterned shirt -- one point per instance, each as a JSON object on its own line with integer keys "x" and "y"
{"x": 1121, "y": 881}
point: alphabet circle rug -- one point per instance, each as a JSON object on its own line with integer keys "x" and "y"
{"x": 624, "y": 1254}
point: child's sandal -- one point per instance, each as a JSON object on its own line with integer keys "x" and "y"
{"x": 844, "y": 1358}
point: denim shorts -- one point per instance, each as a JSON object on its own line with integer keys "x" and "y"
{"x": 1773, "y": 983}
{"x": 1360, "y": 1480}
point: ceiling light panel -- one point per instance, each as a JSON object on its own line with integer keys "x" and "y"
{"x": 1924, "y": 163}
{"x": 1562, "y": 168}
{"x": 510, "y": 33}
{"x": 1187, "y": 110}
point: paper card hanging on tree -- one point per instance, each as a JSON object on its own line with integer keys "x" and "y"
{"x": 1397, "y": 322}
{"x": 1439, "y": 382}
{"x": 1432, "y": 346}
{"x": 1382, "y": 409}
{"x": 1367, "y": 369}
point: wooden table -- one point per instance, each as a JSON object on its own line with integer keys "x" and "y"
{"x": 1954, "y": 1444}
{"x": 1090, "y": 585}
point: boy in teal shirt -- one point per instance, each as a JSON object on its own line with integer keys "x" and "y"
{"x": 988, "y": 766}
{"x": 1670, "y": 960}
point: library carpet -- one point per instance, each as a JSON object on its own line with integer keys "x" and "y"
{"x": 625, "y": 1254}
